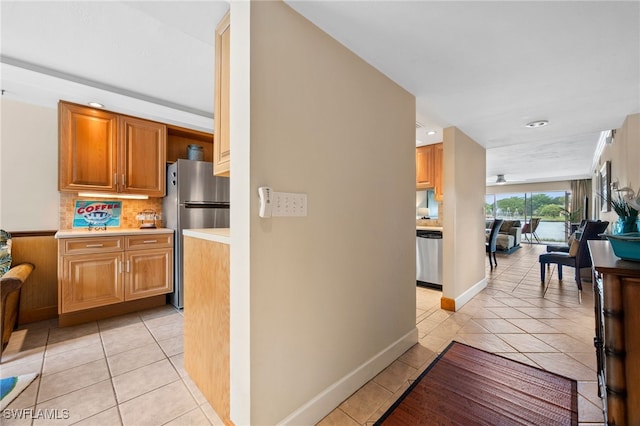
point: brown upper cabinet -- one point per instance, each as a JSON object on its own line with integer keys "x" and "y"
{"x": 221, "y": 147}
{"x": 437, "y": 171}
{"x": 107, "y": 152}
{"x": 143, "y": 156}
{"x": 424, "y": 167}
{"x": 429, "y": 168}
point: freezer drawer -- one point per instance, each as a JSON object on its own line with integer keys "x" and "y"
{"x": 191, "y": 217}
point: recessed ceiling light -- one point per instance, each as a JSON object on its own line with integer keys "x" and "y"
{"x": 537, "y": 123}
{"x": 96, "y": 104}
{"x": 431, "y": 132}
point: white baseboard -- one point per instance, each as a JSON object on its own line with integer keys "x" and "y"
{"x": 468, "y": 295}
{"x": 326, "y": 401}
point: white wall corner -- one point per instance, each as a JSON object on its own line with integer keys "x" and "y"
{"x": 470, "y": 293}
{"x": 327, "y": 400}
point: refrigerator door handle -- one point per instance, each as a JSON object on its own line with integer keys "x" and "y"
{"x": 206, "y": 204}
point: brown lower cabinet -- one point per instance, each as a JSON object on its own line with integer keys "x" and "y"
{"x": 94, "y": 272}
{"x": 617, "y": 340}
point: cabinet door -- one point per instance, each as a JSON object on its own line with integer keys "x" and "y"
{"x": 143, "y": 148}
{"x": 437, "y": 171}
{"x": 221, "y": 143}
{"x": 424, "y": 166}
{"x": 88, "y": 154}
{"x": 90, "y": 280}
{"x": 148, "y": 273}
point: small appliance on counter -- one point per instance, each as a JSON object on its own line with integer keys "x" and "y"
{"x": 147, "y": 219}
{"x": 423, "y": 212}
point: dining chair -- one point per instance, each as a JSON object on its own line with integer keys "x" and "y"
{"x": 578, "y": 257}
{"x": 490, "y": 244}
{"x": 574, "y": 236}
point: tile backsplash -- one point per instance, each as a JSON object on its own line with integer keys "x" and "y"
{"x": 130, "y": 208}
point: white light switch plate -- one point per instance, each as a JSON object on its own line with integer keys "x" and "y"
{"x": 289, "y": 204}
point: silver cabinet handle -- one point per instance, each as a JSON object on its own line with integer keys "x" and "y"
{"x": 149, "y": 241}
{"x": 127, "y": 266}
{"x": 115, "y": 179}
{"x": 120, "y": 266}
{"x": 94, "y": 245}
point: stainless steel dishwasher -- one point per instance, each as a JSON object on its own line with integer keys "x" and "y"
{"x": 429, "y": 258}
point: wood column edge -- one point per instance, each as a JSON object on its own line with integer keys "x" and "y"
{"x": 448, "y": 304}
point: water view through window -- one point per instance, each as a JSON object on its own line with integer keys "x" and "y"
{"x": 550, "y": 207}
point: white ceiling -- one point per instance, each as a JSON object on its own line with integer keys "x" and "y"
{"x": 486, "y": 67}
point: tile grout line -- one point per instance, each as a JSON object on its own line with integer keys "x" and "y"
{"x": 113, "y": 387}
{"x": 44, "y": 355}
{"x": 180, "y": 378}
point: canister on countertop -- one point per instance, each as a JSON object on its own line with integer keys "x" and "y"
{"x": 195, "y": 152}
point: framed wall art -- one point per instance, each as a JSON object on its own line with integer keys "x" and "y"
{"x": 605, "y": 187}
{"x": 97, "y": 215}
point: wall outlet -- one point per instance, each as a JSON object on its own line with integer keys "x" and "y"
{"x": 289, "y": 204}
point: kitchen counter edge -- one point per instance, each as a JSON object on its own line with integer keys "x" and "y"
{"x": 81, "y": 233}
{"x": 218, "y": 235}
{"x": 428, "y": 228}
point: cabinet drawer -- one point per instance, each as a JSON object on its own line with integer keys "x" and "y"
{"x": 148, "y": 241}
{"x": 91, "y": 245}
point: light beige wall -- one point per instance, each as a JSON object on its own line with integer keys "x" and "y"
{"x": 28, "y": 167}
{"x": 241, "y": 196}
{"x": 463, "y": 221}
{"x": 624, "y": 154}
{"x": 331, "y": 291}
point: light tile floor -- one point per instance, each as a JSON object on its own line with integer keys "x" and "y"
{"x": 128, "y": 370}
{"x": 516, "y": 317}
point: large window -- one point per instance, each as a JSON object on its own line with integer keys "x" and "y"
{"x": 550, "y": 207}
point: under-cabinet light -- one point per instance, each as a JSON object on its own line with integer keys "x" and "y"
{"x": 107, "y": 195}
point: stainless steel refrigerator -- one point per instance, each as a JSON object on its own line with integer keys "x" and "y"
{"x": 195, "y": 199}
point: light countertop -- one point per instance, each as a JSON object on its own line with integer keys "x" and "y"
{"x": 428, "y": 228}
{"x": 109, "y": 232}
{"x": 218, "y": 235}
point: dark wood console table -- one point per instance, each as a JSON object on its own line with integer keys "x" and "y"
{"x": 616, "y": 287}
